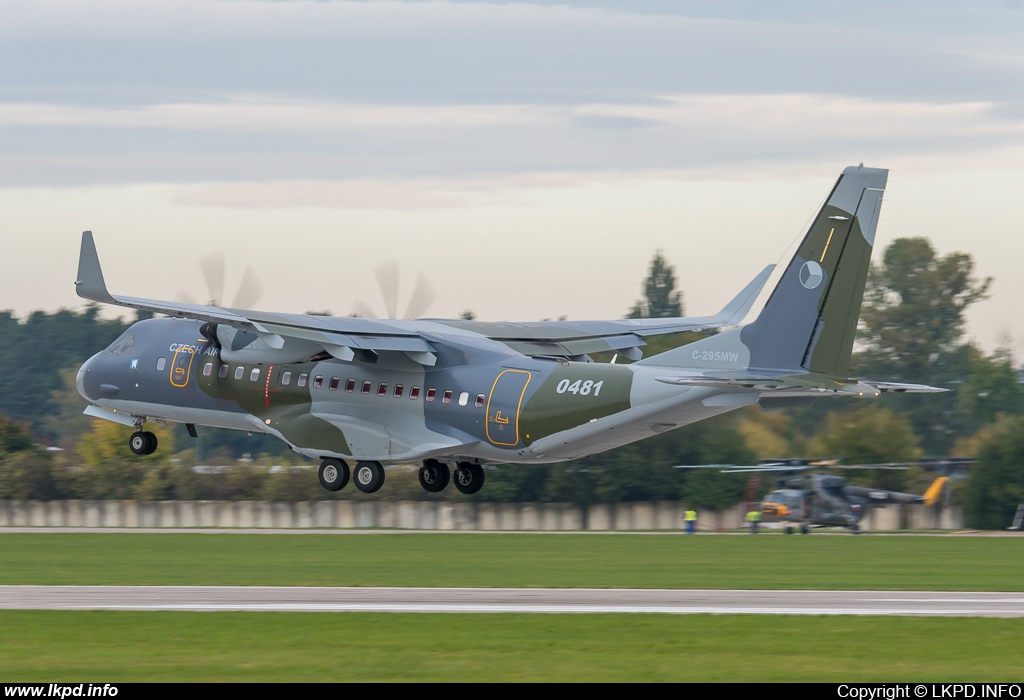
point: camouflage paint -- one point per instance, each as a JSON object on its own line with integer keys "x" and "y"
{"x": 530, "y": 393}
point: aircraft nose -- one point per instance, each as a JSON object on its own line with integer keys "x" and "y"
{"x": 81, "y": 376}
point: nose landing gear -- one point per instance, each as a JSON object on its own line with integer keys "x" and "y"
{"x": 142, "y": 443}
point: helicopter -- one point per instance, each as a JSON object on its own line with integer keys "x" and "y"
{"x": 814, "y": 499}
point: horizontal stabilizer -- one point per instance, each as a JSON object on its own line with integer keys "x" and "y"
{"x": 897, "y": 388}
{"x": 735, "y": 311}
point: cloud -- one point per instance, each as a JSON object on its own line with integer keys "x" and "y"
{"x": 270, "y": 115}
{"x": 261, "y": 139}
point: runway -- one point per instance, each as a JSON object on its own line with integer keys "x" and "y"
{"x": 511, "y": 600}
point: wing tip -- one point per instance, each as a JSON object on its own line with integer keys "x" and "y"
{"x": 90, "y": 283}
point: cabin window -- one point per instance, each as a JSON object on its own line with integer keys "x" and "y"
{"x": 464, "y": 398}
{"x": 239, "y": 371}
{"x": 431, "y": 393}
{"x": 398, "y": 391}
{"x": 222, "y": 372}
{"x": 366, "y": 386}
{"x": 302, "y": 380}
{"x": 286, "y": 379}
{"x": 447, "y": 396}
{"x": 207, "y": 369}
{"x": 318, "y": 381}
{"x": 334, "y": 383}
{"x": 479, "y": 401}
{"x": 414, "y": 393}
{"x": 254, "y": 375}
{"x": 160, "y": 364}
{"x": 382, "y": 389}
{"x": 350, "y": 385}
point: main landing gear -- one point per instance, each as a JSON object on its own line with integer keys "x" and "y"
{"x": 435, "y": 475}
{"x": 469, "y": 478}
{"x": 142, "y": 443}
{"x": 368, "y": 476}
{"x": 333, "y": 474}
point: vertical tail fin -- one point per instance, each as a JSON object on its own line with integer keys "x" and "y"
{"x": 931, "y": 496}
{"x": 810, "y": 319}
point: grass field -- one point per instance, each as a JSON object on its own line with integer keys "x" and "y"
{"x": 221, "y": 646}
{"x": 175, "y": 646}
{"x": 515, "y": 560}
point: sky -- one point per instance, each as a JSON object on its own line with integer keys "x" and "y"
{"x": 528, "y": 158}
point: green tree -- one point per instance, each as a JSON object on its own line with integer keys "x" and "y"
{"x": 912, "y": 325}
{"x": 26, "y": 472}
{"x": 713, "y": 490}
{"x": 990, "y": 390}
{"x": 108, "y": 470}
{"x": 661, "y": 300}
{"x": 34, "y": 351}
{"x": 870, "y": 435}
{"x": 995, "y": 485}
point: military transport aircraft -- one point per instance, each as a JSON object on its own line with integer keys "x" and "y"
{"x": 468, "y": 393}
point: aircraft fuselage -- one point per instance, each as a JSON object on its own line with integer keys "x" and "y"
{"x": 481, "y": 401}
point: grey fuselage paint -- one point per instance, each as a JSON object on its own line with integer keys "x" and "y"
{"x": 503, "y": 406}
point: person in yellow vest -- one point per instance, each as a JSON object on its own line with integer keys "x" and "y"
{"x": 691, "y": 522}
{"x": 753, "y": 518}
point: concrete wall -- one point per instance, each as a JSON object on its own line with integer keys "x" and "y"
{"x": 419, "y": 515}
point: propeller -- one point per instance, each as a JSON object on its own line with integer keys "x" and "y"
{"x": 387, "y": 274}
{"x": 213, "y": 267}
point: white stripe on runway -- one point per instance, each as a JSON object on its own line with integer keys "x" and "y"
{"x": 512, "y": 600}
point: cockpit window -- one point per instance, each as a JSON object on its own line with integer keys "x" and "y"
{"x": 122, "y": 346}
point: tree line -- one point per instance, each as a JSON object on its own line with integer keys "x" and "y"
{"x": 911, "y": 330}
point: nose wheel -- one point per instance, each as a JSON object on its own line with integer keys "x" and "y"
{"x": 469, "y": 478}
{"x": 333, "y": 474}
{"x": 434, "y": 476}
{"x": 142, "y": 443}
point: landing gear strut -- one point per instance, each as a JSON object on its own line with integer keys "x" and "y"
{"x": 368, "y": 476}
{"x": 333, "y": 474}
{"x": 469, "y": 478}
{"x": 434, "y": 475}
{"x": 142, "y": 443}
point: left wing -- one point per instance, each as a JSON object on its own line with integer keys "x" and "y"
{"x": 289, "y": 337}
{"x": 292, "y": 337}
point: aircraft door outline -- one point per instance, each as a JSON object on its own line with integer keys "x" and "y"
{"x": 503, "y": 406}
{"x": 181, "y": 366}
